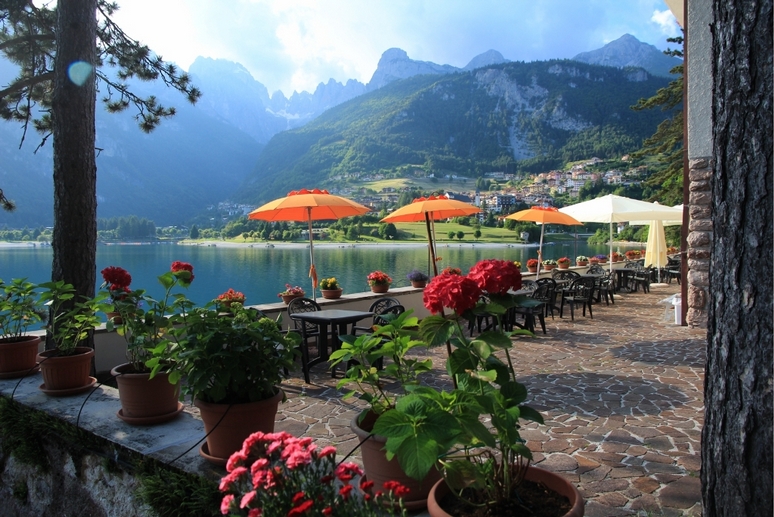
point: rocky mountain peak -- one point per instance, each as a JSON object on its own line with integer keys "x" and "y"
{"x": 628, "y": 51}
{"x": 490, "y": 57}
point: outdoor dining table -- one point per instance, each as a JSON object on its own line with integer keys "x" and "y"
{"x": 337, "y": 319}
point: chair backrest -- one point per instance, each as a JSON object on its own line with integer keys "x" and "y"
{"x": 632, "y": 265}
{"x": 382, "y": 303}
{"x": 564, "y": 274}
{"x": 392, "y": 309}
{"x": 298, "y": 305}
{"x": 550, "y": 281}
{"x": 582, "y": 287}
{"x": 596, "y": 269}
{"x": 542, "y": 293}
{"x": 528, "y": 285}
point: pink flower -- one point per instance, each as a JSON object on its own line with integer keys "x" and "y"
{"x": 301, "y": 509}
{"x": 232, "y": 477}
{"x": 345, "y": 491}
{"x": 255, "y": 512}
{"x": 496, "y": 276}
{"x": 456, "y": 292}
{"x": 346, "y": 471}
{"x": 226, "y": 503}
{"x": 235, "y": 460}
{"x": 247, "y": 499}
{"x": 327, "y": 451}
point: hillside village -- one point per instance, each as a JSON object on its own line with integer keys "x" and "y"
{"x": 512, "y": 189}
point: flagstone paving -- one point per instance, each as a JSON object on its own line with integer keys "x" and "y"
{"x": 621, "y": 394}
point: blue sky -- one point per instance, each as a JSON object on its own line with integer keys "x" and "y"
{"x": 296, "y": 44}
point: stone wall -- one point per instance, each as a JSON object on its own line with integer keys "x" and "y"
{"x": 699, "y": 240}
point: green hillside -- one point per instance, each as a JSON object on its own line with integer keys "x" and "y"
{"x": 465, "y": 124}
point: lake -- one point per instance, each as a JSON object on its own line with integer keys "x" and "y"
{"x": 260, "y": 272}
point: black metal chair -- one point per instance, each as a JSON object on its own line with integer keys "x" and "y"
{"x": 306, "y": 329}
{"x": 673, "y": 270}
{"x": 595, "y": 269}
{"x": 605, "y": 286}
{"x": 580, "y": 292}
{"x": 378, "y": 307}
{"x": 542, "y": 294}
{"x": 551, "y": 304}
{"x": 563, "y": 275}
{"x": 528, "y": 285}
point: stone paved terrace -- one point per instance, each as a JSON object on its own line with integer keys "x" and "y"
{"x": 622, "y": 398}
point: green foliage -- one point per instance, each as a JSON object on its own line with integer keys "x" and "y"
{"x": 71, "y": 320}
{"x": 20, "y": 308}
{"x": 667, "y": 142}
{"x": 177, "y": 494}
{"x": 124, "y": 228}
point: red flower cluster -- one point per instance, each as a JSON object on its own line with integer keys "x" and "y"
{"x": 451, "y": 271}
{"x": 378, "y": 277}
{"x": 117, "y": 278}
{"x": 496, "y": 276}
{"x": 456, "y": 292}
{"x": 185, "y": 272}
{"x": 231, "y": 296}
{"x": 291, "y": 476}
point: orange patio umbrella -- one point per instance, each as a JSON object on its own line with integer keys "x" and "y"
{"x": 431, "y": 209}
{"x": 543, "y": 215}
{"x": 308, "y": 205}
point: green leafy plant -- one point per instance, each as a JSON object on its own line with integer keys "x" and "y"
{"x": 490, "y": 460}
{"x": 230, "y": 359}
{"x": 71, "y": 321}
{"x": 393, "y": 341}
{"x": 145, "y": 321}
{"x": 20, "y": 308}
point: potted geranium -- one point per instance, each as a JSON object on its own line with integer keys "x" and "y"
{"x": 330, "y": 288}
{"x": 397, "y": 343}
{"x": 148, "y": 386}
{"x": 233, "y": 368}
{"x": 225, "y": 299}
{"x": 602, "y": 258}
{"x": 417, "y": 278}
{"x": 549, "y": 264}
{"x": 617, "y": 257}
{"x": 532, "y": 265}
{"x": 451, "y": 271}
{"x": 117, "y": 281}
{"x": 488, "y": 465}
{"x": 279, "y": 474}
{"x": 66, "y": 367}
{"x": 582, "y": 260}
{"x": 379, "y": 281}
{"x": 290, "y": 293}
{"x": 563, "y": 263}
{"x": 20, "y": 310}
{"x": 632, "y": 255}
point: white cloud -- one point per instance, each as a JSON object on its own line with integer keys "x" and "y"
{"x": 666, "y": 22}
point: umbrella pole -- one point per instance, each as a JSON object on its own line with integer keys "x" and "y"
{"x": 540, "y": 251}
{"x": 610, "y": 256}
{"x": 430, "y": 243}
{"x": 312, "y": 272}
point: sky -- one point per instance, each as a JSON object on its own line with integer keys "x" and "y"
{"x": 293, "y": 45}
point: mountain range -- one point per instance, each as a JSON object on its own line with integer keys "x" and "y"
{"x": 217, "y": 149}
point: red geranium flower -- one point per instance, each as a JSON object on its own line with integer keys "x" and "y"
{"x": 184, "y": 270}
{"x": 117, "y": 278}
{"x": 496, "y": 276}
{"x": 456, "y": 292}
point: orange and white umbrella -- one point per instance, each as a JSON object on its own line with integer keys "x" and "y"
{"x": 308, "y": 205}
{"x": 543, "y": 215}
{"x": 430, "y": 209}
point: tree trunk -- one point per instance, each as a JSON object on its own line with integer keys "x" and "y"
{"x": 74, "y": 239}
{"x": 737, "y": 435}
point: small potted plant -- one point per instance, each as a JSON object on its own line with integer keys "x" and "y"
{"x": 617, "y": 257}
{"x": 225, "y": 299}
{"x": 563, "y": 263}
{"x": 549, "y": 264}
{"x": 233, "y": 368}
{"x": 602, "y": 258}
{"x": 632, "y": 255}
{"x": 593, "y": 260}
{"x": 532, "y": 265}
{"x": 451, "y": 271}
{"x": 279, "y": 474}
{"x": 417, "y": 278}
{"x": 117, "y": 281}
{"x": 291, "y": 293}
{"x": 330, "y": 288}
{"x": 517, "y": 264}
{"x": 19, "y": 311}
{"x": 582, "y": 260}
{"x": 148, "y": 386}
{"x": 66, "y": 367}
{"x": 398, "y": 344}
{"x": 379, "y": 281}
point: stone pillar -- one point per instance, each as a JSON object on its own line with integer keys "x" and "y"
{"x": 699, "y": 240}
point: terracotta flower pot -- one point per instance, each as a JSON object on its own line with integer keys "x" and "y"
{"x": 331, "y": 294}
{"x": 116, "y": 317}
{"x": 582, "y": 262}
{"x": 419, "y": 284}
{"x": 227, "y": 425}
{"x": 380, "y": 288}
{"x": 66, "y": 374}
{"x": 379, "y": 470}
{"x": 564, "y": 266}
{"x": 287, "y": 298}
{"x": 551, "y": 480}
{"x": 532, "y": 269}
{"x": 549, "y": 267}
{"x": 146, "y": 401}
{"x": 17, "y": 356}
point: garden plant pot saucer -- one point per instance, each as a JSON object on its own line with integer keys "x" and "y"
{"x": 204, "y": 451}
{"x": 20, "y": 373}
{"x": 150, "y": 420}
{"x": 69, "y": 391}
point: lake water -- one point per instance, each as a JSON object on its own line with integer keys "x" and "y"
{"x": 260, "y": 272}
